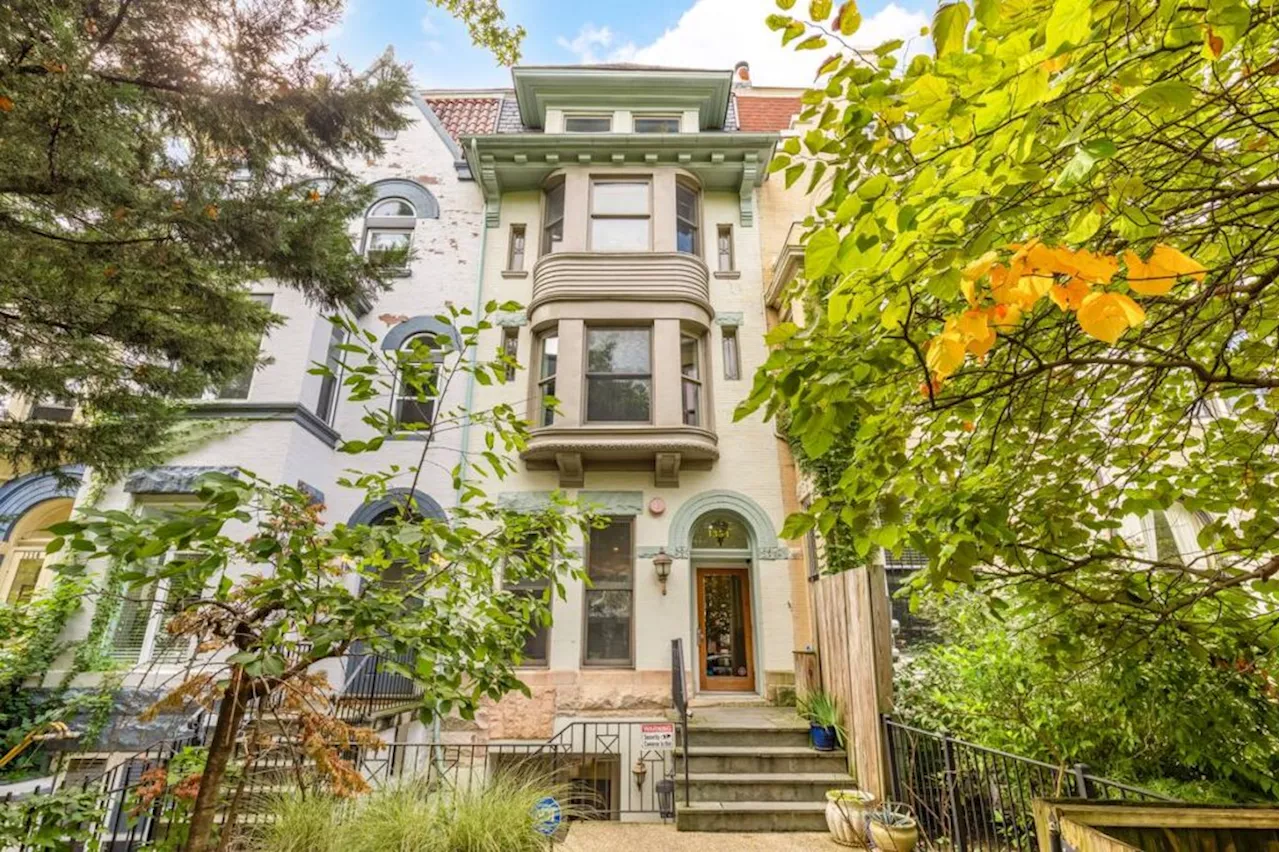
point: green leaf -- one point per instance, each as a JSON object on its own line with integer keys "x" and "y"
{"x": 1084, "y": 226}
{"x": 784, "y": 5}
{"x": 873, "y": 187}
{"x": 1068, "y": 26}
{"x": 987, "y": 12}
{"x": 813, "y": 42}
{"x": 949, "y": 25}
{"x": 848, "y": 19}
{"x": 781, "y": 333}
{"x": 819, "y": 10}
{"x": 820, "y": 252}
{"x": 1167, "y": 96}
{"x": 792, "y": 174}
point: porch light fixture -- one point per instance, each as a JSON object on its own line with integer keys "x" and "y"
{"x": 640, "y": 771}
{"x": 719, "y": 530}
{"x": 662, "y": 565}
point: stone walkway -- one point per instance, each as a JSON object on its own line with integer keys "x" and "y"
{"x": 642, "y": 837}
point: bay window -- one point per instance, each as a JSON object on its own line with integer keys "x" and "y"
{"x": 549, "y": 347}
{"x": 691, "y": 379}
{"x": 687, "y": 219}
{"x": 619, "y": 375}
{"x": 553, "y": 217}
{"x": 620, "y": 215}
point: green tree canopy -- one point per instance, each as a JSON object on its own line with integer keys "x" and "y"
{"x": 1042, "y": 268}
{"x": 157, "y": 157}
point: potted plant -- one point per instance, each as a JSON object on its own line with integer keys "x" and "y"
{"x": 892, "y": 828}
{"x": 823, "y": 714}
{"x": 847, "y": 815}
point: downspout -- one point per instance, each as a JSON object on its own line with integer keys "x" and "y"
{"x": 468, "y": 402}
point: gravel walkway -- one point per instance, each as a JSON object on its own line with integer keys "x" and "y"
{"x": 641, "y": 837}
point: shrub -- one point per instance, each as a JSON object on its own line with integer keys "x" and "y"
{"x": 414, "y": 815}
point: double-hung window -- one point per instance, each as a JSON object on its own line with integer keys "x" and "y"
{"x": 732, "y": 358}
{"x": 553, "y": 217}
{"x": 691, "y": 379}
{"x": 620, "y": 215}
{"x": 237, "y": 387}
{"x": 548, "y": 348}
{"x": 416, "y": 382}
{"x": 515, "y": 249}
{"x": 724, "y": 248}
{"x": 619, "y": 375}
{"x": 388, "y": 232}
{"x": 687, "y": 219}
{"x": 610, "y": 599}
{"x": 537, "y": 560}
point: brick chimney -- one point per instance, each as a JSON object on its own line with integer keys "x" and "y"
{"x": 742, "y": 75}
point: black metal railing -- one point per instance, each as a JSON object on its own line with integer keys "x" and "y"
{"x": 606, "y": 766}
{"x": 967, "y": 797}
{"x": 370, "y": 686}
{"x": 680, "y": 700}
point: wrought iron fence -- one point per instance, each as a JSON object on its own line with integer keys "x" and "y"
{"x": 605, "y": 765}
{"x": 680, "y": 700}
{"x": 968, "y": 797}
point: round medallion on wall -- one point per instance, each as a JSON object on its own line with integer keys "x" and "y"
{"x": 657, "y": 506}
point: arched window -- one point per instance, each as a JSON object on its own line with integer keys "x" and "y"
{"x": 388, "y": 231}
{"x": 721, "y": 531}
{"x": 417, "y": 382}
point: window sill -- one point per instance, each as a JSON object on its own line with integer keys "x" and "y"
{"x": 515, "y": 273}
{"x": 732, "y": 273}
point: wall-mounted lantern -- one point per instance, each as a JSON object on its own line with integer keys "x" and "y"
{"x": 662, "y": 565}
{"x": 666, "y": 790}
{"x": 640, "y": 770}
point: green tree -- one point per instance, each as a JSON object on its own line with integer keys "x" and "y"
{"x": 1158, "y": 715}
{"x": 266, "y": 590}
{"x": 158, "y": 157}
{"x": 1045, "y": 261}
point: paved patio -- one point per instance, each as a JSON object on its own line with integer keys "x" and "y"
{"x": 641, "y": 837}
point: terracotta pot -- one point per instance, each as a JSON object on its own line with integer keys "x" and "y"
{"x": 892, "y": 838}
{"x": 847, "y": 816}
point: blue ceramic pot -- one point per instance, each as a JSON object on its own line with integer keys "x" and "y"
{"x": 823, "y": 739}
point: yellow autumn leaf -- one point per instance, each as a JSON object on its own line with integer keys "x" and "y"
{"x": 211, "y": 211}
{"x": 6, "y": 104}
{"x": 967, "y": 288}
{"x": 1169, "y": 260}
{"x": 979, "y": 267}
{"x": 1106, "y": 316}
{"x": 945, "y": 354}
{"x": 1069, "y": 296}
{"x": 1095, "y": 268}
{"x": 1005, "y": 316}
{"x": 1145, "y": 280}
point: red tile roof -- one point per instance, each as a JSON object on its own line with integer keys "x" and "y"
{"x": 765, "y": 114}
{"x": 466, "y": 116}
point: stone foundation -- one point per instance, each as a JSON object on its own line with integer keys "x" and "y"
{"x": 569, "y": 693}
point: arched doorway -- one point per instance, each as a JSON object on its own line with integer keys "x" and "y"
{"x": 720, "y": 548}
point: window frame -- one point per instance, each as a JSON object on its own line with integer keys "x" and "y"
{"x": 545, "y": 244}
{"x": 511, "y": 349}
{"x": 731, "y": 352}
{"x": 683, "y": 184}
{"x": 219, "y": 393}
{"x": 637, "y": 117}
{"x": 725, "y": 261}
{"x": 646, "y": 217}
{"x": 517, "y": 235}
{"x": 588, "y": 375}
{"x": 696, "y": 380}
{"x": 587, "y": 116}
{"x": 397, "y": 395}
{"x": 328, "y": 397}
{"x": 540, "y": 587}
{"x": 548, "y": 413}
{"x": 629, "y": 588}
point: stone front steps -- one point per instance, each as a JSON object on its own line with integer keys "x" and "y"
{"x": 753, "y": 770}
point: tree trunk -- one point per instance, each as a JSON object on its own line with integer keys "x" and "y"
{"x": 230, "y": 715}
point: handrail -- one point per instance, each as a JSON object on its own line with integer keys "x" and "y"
{"x": 680, "y": 698}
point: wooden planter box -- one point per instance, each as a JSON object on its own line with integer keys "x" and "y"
{"x": 1078, "y": 826}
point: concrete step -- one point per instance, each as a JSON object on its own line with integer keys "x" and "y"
{"x": 759, "y": 759}
{"x": 751, "y": 816}
{"x": 747, "y": 735}
{"x": 761, "y": 786}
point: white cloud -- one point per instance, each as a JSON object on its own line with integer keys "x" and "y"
{"x": 429, "y": 26}
{"x": 720, "y": 33}
{"x": 586, "y": 43}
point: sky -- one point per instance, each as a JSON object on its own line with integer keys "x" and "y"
{"x": 687, "y": 33}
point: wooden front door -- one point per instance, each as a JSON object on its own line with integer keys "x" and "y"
{"x": 725, "y": 648}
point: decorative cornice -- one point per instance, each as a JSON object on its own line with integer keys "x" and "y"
{"x": 541, "y": 87}
{"x": 287, "y": 411}
{"x": 486, "y": 170}
{"x": 614, "y": 502}
{"x": 170, "y": 478}
{"x": 764, "y": 539}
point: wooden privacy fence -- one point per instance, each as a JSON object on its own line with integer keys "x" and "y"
{"x": 851, "y": 615}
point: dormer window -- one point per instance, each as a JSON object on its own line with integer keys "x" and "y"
{"x": 588, "y": 123}
{"x": 656, "y": 124}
